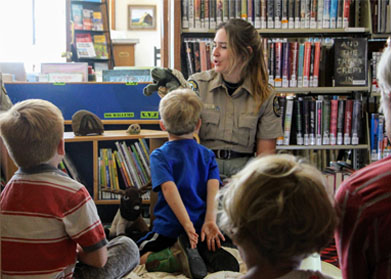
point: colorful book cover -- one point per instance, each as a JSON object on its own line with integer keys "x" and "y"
{"x": 87, "y": 19}
{"x": 77, "y": 16}
{"x": 84, "y": 46}
{"x": 300, "y": 65}
{"x": 97, "y": 23}
{"x": 333, "y": 121}
{"x": 373, "y": 135}
{"x": 100, "y": 46}
{"x": 333, "y": 13}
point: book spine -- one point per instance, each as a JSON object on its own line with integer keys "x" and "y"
{"x": 270, "y": 14}
{"x": 348, "y": 122}
{"x": 197, "y": 60}
{"x": 346, "y": 9}
{"x": 340, "y": 14}
{"x": 299, "y": 121}
{"x": 144, "y": 144}
{"x": 250, "y": 11}
{"x": 288, "y": 120}
{"x": 197, "y": 14}
{"x": 312, "y": 58}
{"x": 326, "y": 13}
{"x": 306, "y": 121}
{"x": 340, "y": 121}
{"x": 300, "y": 65}
{"x": 333, "y": 13}
{"x": 293, "y": 64}
{"x": 313, "y": 117}
{"x": 225, "y": 10}
{"x": 307, "y": 14}
{"x": 238, "y": 9}
{"x": 206, "y": 14}
{"x": 326, "y": 121}
{"x": 257, "y": 14}
{"x": 297, "y": 14}
{"x": 139, "y": 164}
{"x": 263, "y": 14}
{"x": 374, "y": 128}
{"x": 356, "y": 121}
{"x": 271, "y": 61}
{"x": 185, "y": 14}
{"x": 291, "y": 14}
{"x": 318, "y": 123}
{"x": 303, "y": 11}
{"x": 189, "y": 57}
{"x": 333, "y": 121}
{"x": 307, "y": 63}
{"x": 203, "y": 60}
{"x": 277, "y": 14}
{"x": 278, "y": 64}
{"x": 219, "y": 12}
{"x": 282, "y": 102}
{"x": 232, "y": 9}
{"x": 285, "y": 64}
{"x": 380, "y": 137}
{"x": 244, "y": 10}
{"x": 143, "y": 158}
{"x": 126, "y": 163}
{"x": 122, "y": 171}
{"x": 317, "y": 46}
{"x": 319, "y": 14}
{"x": 212, "y": 14}
{"x": 314, "y": 10}
{"x": 191, "y": 14}
{"x": 284, "y": 14}
{"x": 202, "y": 14}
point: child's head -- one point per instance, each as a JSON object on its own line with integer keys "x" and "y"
{"x": 32, "y": 130}
{"x": 279, "y": 206}
{"x": 180, "y": 111}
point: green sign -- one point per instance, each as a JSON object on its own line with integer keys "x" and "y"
{"x": 149, "y": 114}
{"x": 119, "y": 115}
{"x": 58, "y": 83}
{"x": 131, "y": 83}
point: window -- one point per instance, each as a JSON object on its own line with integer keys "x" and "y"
{"x": 32, "y": 31}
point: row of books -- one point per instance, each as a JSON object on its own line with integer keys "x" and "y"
{"x": 303, "y": 62}
{"x": 88, "y": 46}
{"x": 381, "y": 16}
{"x": 86, "y": 19}
{"x": 321, "y": 121}
{"x": 380, "y": 144}
{"x": 198, "y": 55}
{"x": 274, "y": 14}
{"x": 126, "y": 166}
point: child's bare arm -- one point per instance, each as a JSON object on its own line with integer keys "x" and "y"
{"x": 210, "y": 229}
{"x": 173, "y": 198}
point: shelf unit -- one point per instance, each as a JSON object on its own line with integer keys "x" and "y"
{"x": 156, "y": 139}
{"x": 94, "y": 5}
{"x": 360, "y": 26}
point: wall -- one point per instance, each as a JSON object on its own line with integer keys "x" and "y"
{"x": 144, "y": 51}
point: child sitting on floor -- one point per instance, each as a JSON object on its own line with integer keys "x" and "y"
{"x": 186, "y": 177}
{"x": 277, "y": 212}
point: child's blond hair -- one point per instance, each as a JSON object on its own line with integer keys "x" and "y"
{"x": 180, "y": 111}
{"x": 32, "y": 130}
{"x": 279, "y": 206}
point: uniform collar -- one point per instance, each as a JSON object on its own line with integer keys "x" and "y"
{"x": 218, "y": 82}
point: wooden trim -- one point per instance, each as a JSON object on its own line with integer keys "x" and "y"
{"x": 112, "y": 15}
{"x": 177, "y": 35}
{"x": 164, "y": 34}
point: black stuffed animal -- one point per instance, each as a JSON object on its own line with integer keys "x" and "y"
{"x": 128, "y": 220}
{"x": 164, "y": 81}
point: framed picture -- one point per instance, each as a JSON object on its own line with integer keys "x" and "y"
{"x": 141, "y": 17}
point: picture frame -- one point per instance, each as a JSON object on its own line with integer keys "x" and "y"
{"x": 141, "y": 17}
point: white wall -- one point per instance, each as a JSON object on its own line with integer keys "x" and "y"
{"x": 148, "y": 39}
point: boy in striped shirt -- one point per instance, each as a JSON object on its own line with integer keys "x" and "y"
{"x": 48, "y": 220}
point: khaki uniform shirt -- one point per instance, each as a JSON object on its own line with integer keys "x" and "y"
{"x": 232, "y": 122}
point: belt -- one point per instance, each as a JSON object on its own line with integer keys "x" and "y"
{"x": 229, "y": 154}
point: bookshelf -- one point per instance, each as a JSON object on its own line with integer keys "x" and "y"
{"x": 359, "y": 25}
{"x": 88, "y": 33}
{"x": 93, "y": 143}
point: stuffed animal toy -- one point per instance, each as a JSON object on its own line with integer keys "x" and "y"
{"x": 164, "y": 81}
{"x": 128, "y": 220}
{"x": 134, "y": 129}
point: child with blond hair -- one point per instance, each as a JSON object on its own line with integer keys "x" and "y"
{"x": 277, "y": 212}
{"x": 186, "y": 177}
{"x": 50, "y": 226}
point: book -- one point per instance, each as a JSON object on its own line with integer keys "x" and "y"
{"x": 326, "y": 111}
{"x": 250, "y": 11}
{"x": 326, "y": 13}
{"x": 306, "y": 120}
{"x": 333, "y": 121}
{"x": 297, "y": 14}
{"x": 257, "y": 14}
{"x": 84, "y": 46}
{"x": 373, "y": 135}
{"x": 356, "y": 121}
{"x": 299, "y": 121}
{"x": 243, "y": 14}
{"x": 212, "y": 14}
{"x": 189, "y": 57}
{"x": 350, "y": 62}
{"x": 271, "y": 55}
{"x": 347, "y": 139}
{"x": 191, "y": 14}
{"x": 270, "y": 14}
{"x": 87, "y": 19}
{"x": 314, "y": 10}
{"x": 77, "y": 16}
{"x": 285, "y": 64}
{"x": 346, "y": 9}
{"x": 277, "y": 14}
{"x": 282, "y": 103}
{"x": 380, "y": 137}
{"x": 288, "y": 119}
{"x": 340, "y": 14}
{"x": 313, "y": 117}
{"x": 333, "y": 13}
{"x": 100, "y": 46}
{"x": 293, "y": 55}
{"x": 219, "y": 12}
{"x": 300, "y": 65}
{"x": 319, "y": 14}
{"x": 97, "y": 23}
{"x": 307, "y": 63}
{"x": 225, "y": 10}
{"x": 278, "y": 63}
{"x": 318, "y": 121}
{"x": 284, "y": 14}
{"x": 185, "y": 14}
{"x": 206, "y": 14}
{"x": 197, "y": 14}
{"x": 263, "y": 14}
{"x": 340, "y": 121}
{"x": 317, "y": 51}
{"x": 291, "y": 14}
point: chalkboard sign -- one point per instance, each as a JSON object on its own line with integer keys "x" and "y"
{"x": 350, "y": 62}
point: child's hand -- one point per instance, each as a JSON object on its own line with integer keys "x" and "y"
{"x": 191, "y": 234}
{"x": 213, "y": 235}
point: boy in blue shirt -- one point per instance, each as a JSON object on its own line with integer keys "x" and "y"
{"x": 186, "y": 177}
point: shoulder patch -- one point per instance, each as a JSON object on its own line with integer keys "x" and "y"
{"x": 276, "y": 107}
{"x": 193, "y": 85}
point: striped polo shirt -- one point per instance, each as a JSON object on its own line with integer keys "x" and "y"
{"x": 44, "y": 213}
{"x": 363, "y": 237}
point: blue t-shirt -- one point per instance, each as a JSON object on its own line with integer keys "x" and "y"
{"x": 189, "y": 165}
